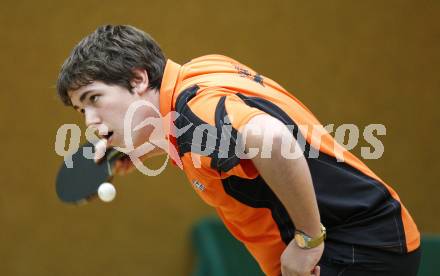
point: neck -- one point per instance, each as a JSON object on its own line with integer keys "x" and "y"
{"x": 157, "y": 137}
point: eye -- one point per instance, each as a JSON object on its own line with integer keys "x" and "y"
{"x": 94, "y": 98}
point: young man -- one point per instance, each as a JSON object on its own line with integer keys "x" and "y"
{"x": 217, "y": 116}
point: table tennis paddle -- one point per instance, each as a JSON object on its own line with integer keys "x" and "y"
{"x": 81, "y": 182}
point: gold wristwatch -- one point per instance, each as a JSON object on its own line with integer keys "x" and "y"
{"x": 306, "y": 242}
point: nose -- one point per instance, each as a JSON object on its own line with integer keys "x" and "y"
{"x": 91, "y": 117}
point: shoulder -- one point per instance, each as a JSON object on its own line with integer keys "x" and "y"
{"x": 214, "y": 106}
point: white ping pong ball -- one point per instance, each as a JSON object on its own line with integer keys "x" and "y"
{"x": 106, "y": 192}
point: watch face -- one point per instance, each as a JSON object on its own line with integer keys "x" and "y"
{"x": 299, "y": 239}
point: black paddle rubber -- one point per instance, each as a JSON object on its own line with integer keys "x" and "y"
{"x": 77, "y": 184}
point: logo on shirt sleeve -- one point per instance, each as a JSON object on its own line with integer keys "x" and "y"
{"x": 244, "y": 73}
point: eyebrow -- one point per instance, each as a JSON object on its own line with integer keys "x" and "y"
{"x": 83, "y": 96}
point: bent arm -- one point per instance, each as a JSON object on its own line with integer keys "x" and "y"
{"x": 289, "y": 179}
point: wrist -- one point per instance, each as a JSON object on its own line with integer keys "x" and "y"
{"x": 306, "y": 242}
{"x": 312, "y": 231}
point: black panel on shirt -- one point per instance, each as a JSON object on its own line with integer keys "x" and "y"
{"x": 225, "y": 159}
{"x": 186, "y": 118}
{"x": 257, "y": 194}
{"x": 223, "y": 156}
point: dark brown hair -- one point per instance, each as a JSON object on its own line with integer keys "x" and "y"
{"x": 110, "y": 54}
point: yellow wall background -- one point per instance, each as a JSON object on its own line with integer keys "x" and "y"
{"x": 355, "y": 62}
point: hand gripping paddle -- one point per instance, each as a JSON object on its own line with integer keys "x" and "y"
{"x": 81, "y": 182}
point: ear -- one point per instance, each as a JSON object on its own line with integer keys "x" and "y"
{"x": 140, "y": 81}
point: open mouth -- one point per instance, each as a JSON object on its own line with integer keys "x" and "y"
{"x": 108, "y": 135}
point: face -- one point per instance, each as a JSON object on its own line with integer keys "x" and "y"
{"x": 105, "y": 106}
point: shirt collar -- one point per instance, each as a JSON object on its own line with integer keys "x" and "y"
{"x": 167, "y": 90}
{"x": 168, "y": 86}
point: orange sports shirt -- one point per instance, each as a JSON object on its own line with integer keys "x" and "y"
{"x": 213, "y": 97}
